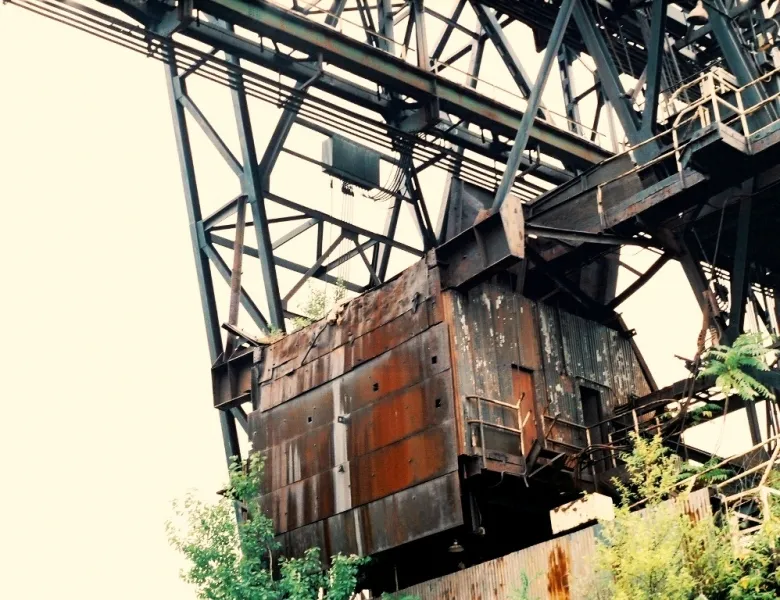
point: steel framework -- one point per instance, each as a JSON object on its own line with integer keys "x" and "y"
{"x": 627, "y": 147}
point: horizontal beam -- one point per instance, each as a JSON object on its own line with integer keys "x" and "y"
{"x": 385, "y": 69}
{"x": 569, "y": 235}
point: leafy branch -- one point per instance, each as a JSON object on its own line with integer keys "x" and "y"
{"x": 731, "y": 366}
{"x": 235, "y": 561}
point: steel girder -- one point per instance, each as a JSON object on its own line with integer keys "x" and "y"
{"x": 393, "y": 73}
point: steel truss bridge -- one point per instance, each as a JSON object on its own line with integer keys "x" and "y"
{"x": 614, "y": 122}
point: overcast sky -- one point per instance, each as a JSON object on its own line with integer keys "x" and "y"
{"x": 106, "y": 388}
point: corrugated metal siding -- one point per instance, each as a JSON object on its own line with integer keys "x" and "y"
{"x": 494, "y": 328}
{"x": 553, "y": 568}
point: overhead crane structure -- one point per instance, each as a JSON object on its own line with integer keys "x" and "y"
{"x": 560, "y": 132}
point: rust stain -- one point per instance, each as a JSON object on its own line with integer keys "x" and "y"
{"x": 558, "y": 574}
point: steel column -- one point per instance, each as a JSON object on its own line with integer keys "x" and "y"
{"x": 743, "y": 67}
{"x": 565, "y": 60}
{"x": 653, "y": 70}
{"x": 739, "y": 272}
{"x": 252, "y": 187}
{"x": 524, "y": 131}
{"x": 176, "y": 88}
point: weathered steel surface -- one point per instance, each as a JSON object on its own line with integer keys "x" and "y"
{"x": 492, "y": 244}
{"x": 358, "y": 412}
{"x": 496, "y": 331}
{"x": 368, "y": 326}
{"x": 232, "y": 380}
{"x": 493, "y": 329}
{"x": 408, "y": 515}
{"x": 579, "y": 352}
{"x": 556, "y": 570}
{"x": 361, "y": 315}
{"x": 328, "y": 451}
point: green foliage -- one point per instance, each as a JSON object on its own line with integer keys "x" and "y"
{"x": 652, "y": 471}
{"x": 318, "y": 304}
{"x": 662, "y": 553}
{"x": 705, "y": 474}
{"x": 728, "y": 365}
{"x": 229, "y": 561}
{"x": 704, "y": 412}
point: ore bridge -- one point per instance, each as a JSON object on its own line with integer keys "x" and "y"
{"x": 479, "y": 372}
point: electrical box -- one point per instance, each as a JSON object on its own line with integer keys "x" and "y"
{"x": 351, "y": 162}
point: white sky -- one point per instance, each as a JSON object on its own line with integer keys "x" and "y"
{"x": 106, "y": 386}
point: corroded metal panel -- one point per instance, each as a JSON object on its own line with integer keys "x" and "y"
{"x": 383, "y": 427}
{"x": 408, "y": 515}
{"x": 360, "y": 414}
{"x": 359, "y": 316}
{"x": 293, "y": 378}
{"x": 495, "y": 330}
{"x": 551, "y": 567}
{"x": 558, "y": 569}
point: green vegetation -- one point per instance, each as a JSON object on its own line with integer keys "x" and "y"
{"x": 230, "y": 561}
{"x": 731, "y": 365}
{"x": 662, "y": 553}
{"x": 318, "y": 304}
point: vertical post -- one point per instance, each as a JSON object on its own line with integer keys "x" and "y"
{"x": 655, "y": 53}
{"x": 592, "y": 460}
{"x": 176, "y": 89}
{"x": 524, "y": 130}
{"x": 565, "y": 60}
{"x": 235, "y": 276}
{"x": 253, "y": 190}
{"x": 472, "y": 77}
{"x": 612, "y": 450}
{"x": 739, "y": 277}
{"x": 386, "y": 29}
{"x": 421, "y": 40}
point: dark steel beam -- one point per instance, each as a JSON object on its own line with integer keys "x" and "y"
{"x": 448, "y": 29}
{"x": 739, "y": 272}
{"x": 640, "y": 281}
{"x": 585, "y": 237}
{"x": 336, "y": 8}
{"x": 655, "y": 50}
{"x": 534, "y": 101}
{"x": 252, "y": 187}
{"x": 378, "y": 66}
{"x": 281, "y": 263}
{"x": 565, "y": 60}
{"x": 282, "y": 130}
{"x": 742, "y": 66}
{"x": 421, "y": 38}
{"x": 609, "y": 77}
{"x": 224, "y": 270}
{"x": 176, "y": 88}
{"x": 512, "y": 62}
{"x": 235, "y": 275}
{"x": 212, "y": 135}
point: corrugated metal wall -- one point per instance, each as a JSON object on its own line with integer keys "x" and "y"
{"x": 494, "y": 328}
{"x": 553, "y": 568}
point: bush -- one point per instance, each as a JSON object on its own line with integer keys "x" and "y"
{"x": 235, "y": 561}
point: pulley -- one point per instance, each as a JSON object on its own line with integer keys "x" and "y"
{"x": 698, "y": 15}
